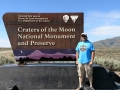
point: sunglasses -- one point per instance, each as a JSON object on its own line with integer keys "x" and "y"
{"x": 83, "y": 35}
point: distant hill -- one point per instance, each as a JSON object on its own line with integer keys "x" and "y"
{"x": 108, "y": 43}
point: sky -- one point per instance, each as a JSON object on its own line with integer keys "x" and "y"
{"x": 101, "y": 17}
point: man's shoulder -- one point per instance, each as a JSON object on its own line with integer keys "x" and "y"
{"x": 80, "y": 42}
{"x": 89, "y": 42}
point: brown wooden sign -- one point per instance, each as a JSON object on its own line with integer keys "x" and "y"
{"x": 35, "y": 31}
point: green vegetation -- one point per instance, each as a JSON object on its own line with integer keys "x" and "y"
{"x": 108, "y": 58}
{"x": 110, "y": 64}
{"x": 7, "y": 59}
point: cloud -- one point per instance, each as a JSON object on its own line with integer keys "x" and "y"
{"x": 102, "y": 25}
{"x": 110, "y": 14}
{"x": 113, "y": 30}
{"x": 95, "y": 18}
{"x": 4, "y": 43}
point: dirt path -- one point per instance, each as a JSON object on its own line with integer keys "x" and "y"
{"x": 4, "y": 52}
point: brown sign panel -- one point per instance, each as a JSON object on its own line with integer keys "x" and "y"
{"x": 43, "y": 35}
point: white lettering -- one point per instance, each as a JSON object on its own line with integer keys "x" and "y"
{"x": 20, "y": 29}
{"x": 49, "y": 36}
{"x": 29, "y": 36}
{"x": 42, "y": 43}
{"x": 62, "y": 29}
{"x": 22, "y": 43}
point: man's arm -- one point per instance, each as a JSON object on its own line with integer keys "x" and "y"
{"x": 92, "y": 57}
{"x": 76, "y": 57}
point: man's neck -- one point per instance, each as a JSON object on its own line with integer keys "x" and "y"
{"x": 84, "y": 41}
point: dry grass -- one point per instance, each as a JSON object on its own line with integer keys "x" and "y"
{"x": 5, "y": 49}
{"x": 7, "y": 58}
{"x": 109, "y": 58}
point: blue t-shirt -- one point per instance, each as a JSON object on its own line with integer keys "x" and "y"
{"x": 84, "y": 50}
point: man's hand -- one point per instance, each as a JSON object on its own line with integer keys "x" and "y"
{"x": 91, "y": 63}
{"x": 76, "y": 62}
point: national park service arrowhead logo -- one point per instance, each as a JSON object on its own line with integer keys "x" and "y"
{"x": 65, "y": 18}
{"x": 74, "y": 18}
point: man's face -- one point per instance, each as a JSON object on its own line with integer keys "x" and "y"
{"x": 83, "y": 37}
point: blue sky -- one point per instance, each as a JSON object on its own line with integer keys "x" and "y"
{"x": 101, "y": 17}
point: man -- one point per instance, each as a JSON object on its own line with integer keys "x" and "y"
{"x": 85, "y": 53}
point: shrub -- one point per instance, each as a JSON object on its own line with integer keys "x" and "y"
{"x": 113, "y": 65}
{"x": 6, "y": 60}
